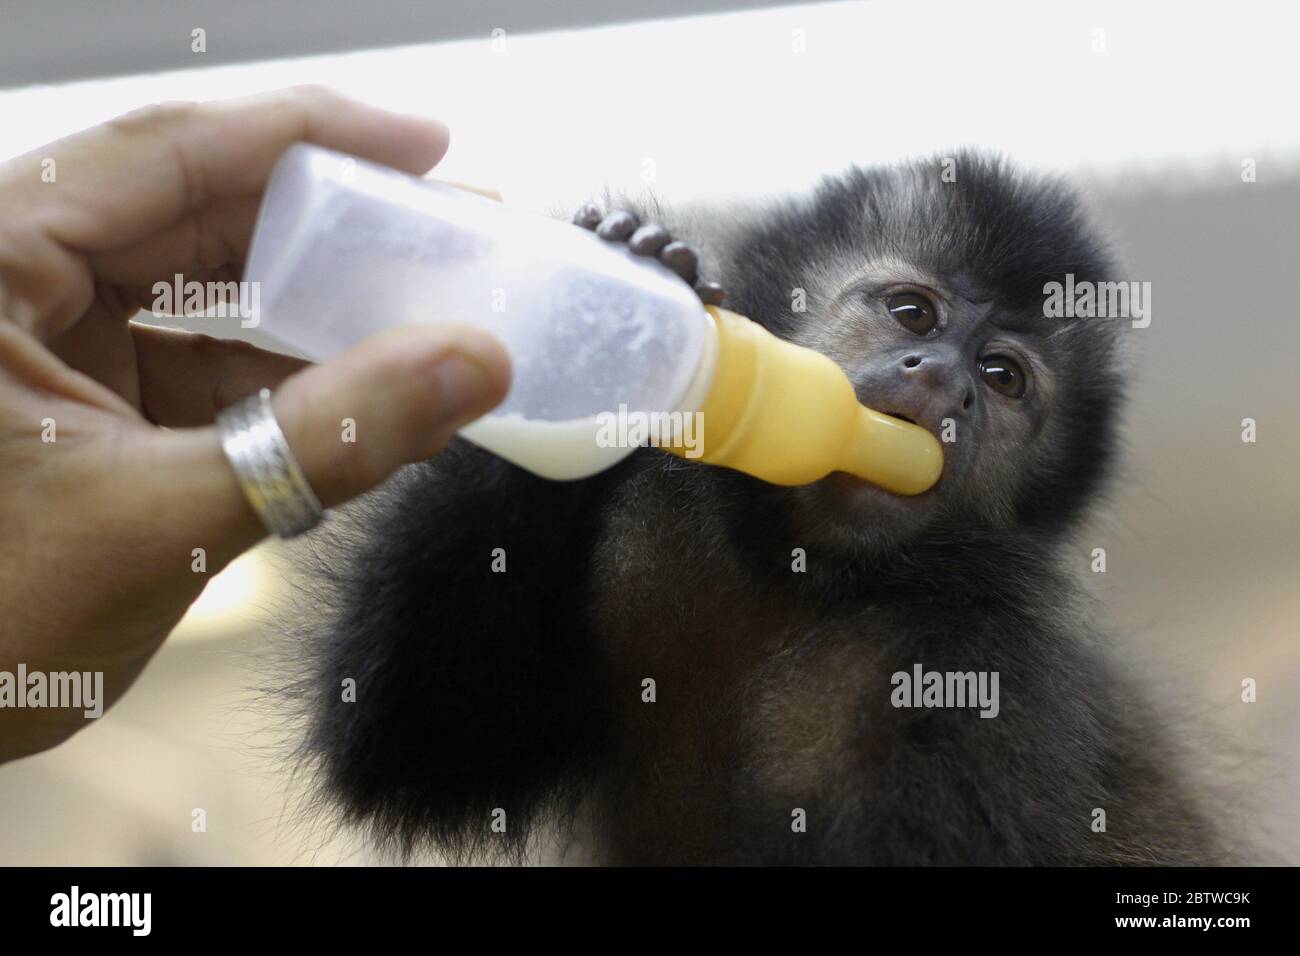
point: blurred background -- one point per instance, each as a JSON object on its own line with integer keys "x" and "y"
{"x": 1155, "y": 109}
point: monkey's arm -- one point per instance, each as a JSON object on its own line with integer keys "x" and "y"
{"x": 454, "y": 600}
{"x": 450, "y": 600}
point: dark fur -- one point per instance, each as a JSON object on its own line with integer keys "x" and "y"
{"x": 522, "y": 690}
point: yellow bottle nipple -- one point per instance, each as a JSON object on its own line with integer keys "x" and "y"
{"x": 789, "y": 415}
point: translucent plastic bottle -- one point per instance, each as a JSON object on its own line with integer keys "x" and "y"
{"x": 344, "y": 248}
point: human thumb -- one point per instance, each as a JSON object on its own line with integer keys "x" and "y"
{"x": 395, "y": 398}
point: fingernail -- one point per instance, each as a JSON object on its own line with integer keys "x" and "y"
{"x": 464, "y": 387}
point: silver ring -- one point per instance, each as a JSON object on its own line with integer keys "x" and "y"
{"x": 269, "y": 474}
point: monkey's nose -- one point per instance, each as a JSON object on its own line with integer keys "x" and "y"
{"x": 946, "y": 388}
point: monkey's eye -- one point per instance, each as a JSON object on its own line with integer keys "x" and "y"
{"x": 913, "y": 311}
{"x": 1003, "y": 375}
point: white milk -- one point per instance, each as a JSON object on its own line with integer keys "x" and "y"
{"x": 560, "y": 450}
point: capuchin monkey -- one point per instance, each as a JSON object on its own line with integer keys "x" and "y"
{"x": 684, "y": 664}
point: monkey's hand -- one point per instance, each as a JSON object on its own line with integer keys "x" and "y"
{"x": 650, "y": 239}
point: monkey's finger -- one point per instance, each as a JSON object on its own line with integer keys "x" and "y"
{"x": 186, "y": 378}
{"x": 682, "y": 259}
{"x": 588, "y": 216}
{"x": 395, "y": 398}
{"x": 710, "y": 293}
{"x": 649, "y": 239}
{"x": 617, "y": 226}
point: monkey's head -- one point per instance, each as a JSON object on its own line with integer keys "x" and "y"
{"x": 925, "y": 282}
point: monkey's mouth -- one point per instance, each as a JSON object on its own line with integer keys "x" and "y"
{"x": 900, "y": 415}
{"x": 857, "y": 492}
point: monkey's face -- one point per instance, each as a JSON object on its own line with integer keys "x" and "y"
{"x": 937, "y": 352}
{"x": 936, "y": 312}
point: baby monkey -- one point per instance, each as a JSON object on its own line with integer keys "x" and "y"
{"x": 675, "y": 663}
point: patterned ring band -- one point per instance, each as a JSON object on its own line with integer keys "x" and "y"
{"x": 267, "y": 470}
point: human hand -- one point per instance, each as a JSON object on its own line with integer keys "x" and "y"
{"x": 101, "y": 509}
